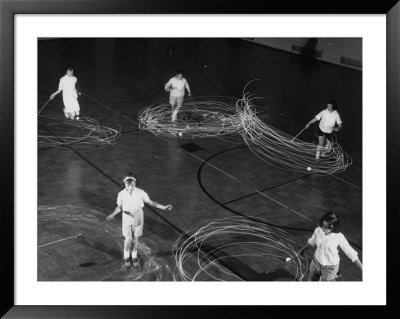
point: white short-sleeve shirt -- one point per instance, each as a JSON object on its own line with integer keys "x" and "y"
{"x": 67, "y": 85}
{"x": 328, "y": 120}
{"x": 177, "y": 86}
{"x": 132, "y": 202}
{"x": 327, "y": 247}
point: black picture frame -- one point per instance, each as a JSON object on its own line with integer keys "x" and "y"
{"x": 8, "y": 10}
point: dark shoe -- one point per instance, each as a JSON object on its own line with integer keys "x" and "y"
{"x": 127, "y": 263}
{"x": 135, "y": 263}
{"x": 339, "y": 277}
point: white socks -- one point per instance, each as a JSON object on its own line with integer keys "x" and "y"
{"x": 126, "y": 254}
{"x": 173, "y": 117}
{"x": 319, "y": 148}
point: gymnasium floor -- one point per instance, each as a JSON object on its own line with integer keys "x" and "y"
{"x": 205, "y": 179}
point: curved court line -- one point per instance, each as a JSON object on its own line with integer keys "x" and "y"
{"x": 243, "y": 215}
{"x": 231, "y": 210}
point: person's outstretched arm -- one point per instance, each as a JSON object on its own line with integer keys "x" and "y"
{"x": 159, "y": 206}
{"x": 60, "y": 88}
{"x": 315, "y": 119}
{"x": 116, "y": 211}
{"x": 188, "y": 88}
{"x": 311, "y": 242}
{"x": 350, "y": 252}
{"x": 311, "y": 122}
{"x": 55, "y": 93}
{"x": 358, "y": 264}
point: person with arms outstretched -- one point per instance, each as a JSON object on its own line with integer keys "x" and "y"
{"x": 327, "y": 239}
{"x": 130, "y": 202}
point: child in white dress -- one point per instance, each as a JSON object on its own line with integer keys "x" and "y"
{"x": 67, "y": 86}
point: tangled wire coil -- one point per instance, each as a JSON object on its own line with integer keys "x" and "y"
{"x": 86, "y": 134}
{"x": 207, "y": 252}
{"x": 231, "y": 118}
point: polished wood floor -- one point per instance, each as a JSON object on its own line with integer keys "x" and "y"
{"x": 78, "y": 183}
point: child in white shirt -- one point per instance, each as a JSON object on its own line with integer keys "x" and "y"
{"x": 176, "y": 87}
{"x": 131, "y": 201}
{"x": 326, "y": 237}
{"x": 328, "y": 119}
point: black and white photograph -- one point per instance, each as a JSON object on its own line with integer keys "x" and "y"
{"x": 166, "y": 157}
{"x": 200, "y": 159}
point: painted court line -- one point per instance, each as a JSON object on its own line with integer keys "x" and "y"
{"x": 97, "y": 101}
{"x": 343, "y": 180}
{"x": 57, "y": 241}
{"x": 283, "y": 205}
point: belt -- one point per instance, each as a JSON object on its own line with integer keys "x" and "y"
{"x": 136, "y": 211}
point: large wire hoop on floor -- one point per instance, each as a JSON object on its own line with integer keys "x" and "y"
{"x": 200, "y": 117}
{"x": 216, "y": 249}
{"x": 282, "y": 150}
{"x": 57, "y": 131}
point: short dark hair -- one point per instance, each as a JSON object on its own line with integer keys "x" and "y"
{"x": 179, "y": 71}
{"x": 334, "y": 104}
{"x": 70, "y": 68}
{"x": 332, "y": 221}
